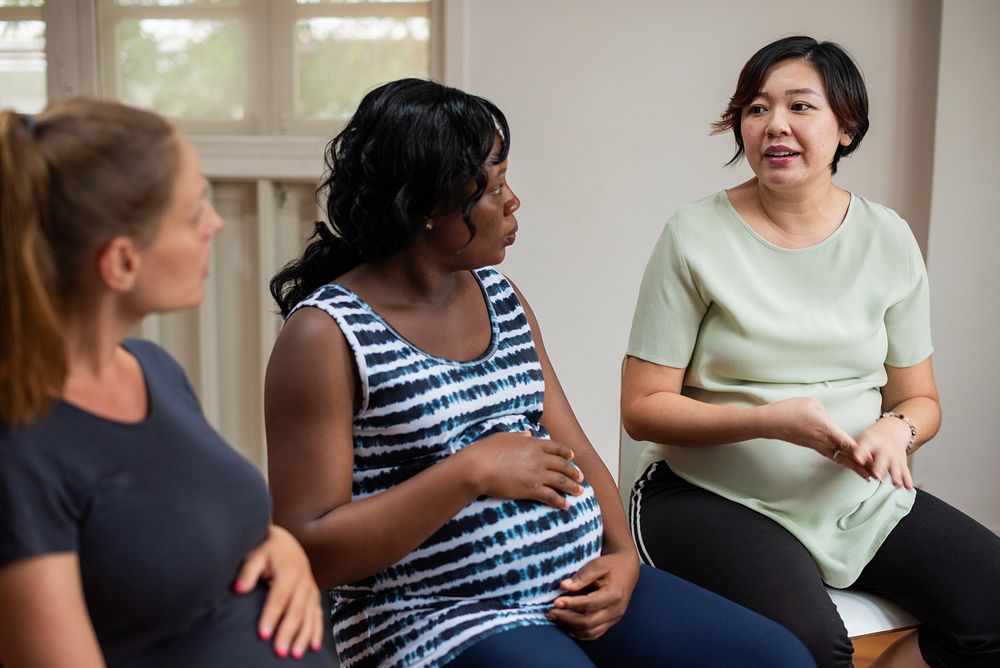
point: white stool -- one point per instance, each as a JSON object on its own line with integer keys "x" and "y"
{"x": 864, "y": 614}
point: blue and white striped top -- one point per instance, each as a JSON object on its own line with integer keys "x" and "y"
{"x": 498, "y": 563}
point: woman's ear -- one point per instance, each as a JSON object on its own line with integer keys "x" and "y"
{"x": 118, "y": 264}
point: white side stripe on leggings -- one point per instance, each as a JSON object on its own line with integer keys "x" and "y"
{"x": 634, "y": 522}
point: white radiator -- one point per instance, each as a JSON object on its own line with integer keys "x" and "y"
{"x": 225, "y": 343}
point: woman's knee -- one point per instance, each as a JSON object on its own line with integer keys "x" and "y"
{"x": 970, "y": 649}
{"x": 970, "y": 634}
{"x": 779, "y": 648}
{"x": 825, "y": 637}
{"x": 533, "y": 646}
{"x": 670, "y": 621}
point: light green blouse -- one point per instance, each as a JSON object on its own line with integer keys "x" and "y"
{"x": 754, "y": 323}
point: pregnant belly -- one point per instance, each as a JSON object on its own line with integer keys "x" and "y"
{"x": 503, "y": 549}
{"x": 224, "y": 636}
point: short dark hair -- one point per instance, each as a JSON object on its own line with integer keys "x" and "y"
{"x": 845, "y": 88}
{"x": 411, "y": 151}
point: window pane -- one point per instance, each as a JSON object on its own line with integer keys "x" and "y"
{"x": 22, "y": 65}
{"x": 338, "y": 60}
{"x": 21, "y": 3}
{"x": 183, "y": 68}
{"x": 172, "y": 3}
{"x": 353, "y": 2}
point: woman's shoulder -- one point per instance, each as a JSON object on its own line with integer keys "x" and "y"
{"x": 700, "y": 224}
{"x": 875, "y": 212}
{"x": 696, "y": 213}
{"x": 311, "y": 322}
{"x": 504, "y": 298}
{"x": 44, "y": 472}
{"x": 150, "y": 353}
{"x": 326, "y": 295}
{"x": 493, "y": 280}
{"x": 313, "y": 336}
{"x": 26, "y": 445}
{"x": 40, "y": 444}
{"x": 880, "y": 221}
{"x": 157, "y": 364}
{"x": 330, "y": 310}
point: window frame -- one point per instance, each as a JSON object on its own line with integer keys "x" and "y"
{"x": 253, "y": 16}
{"x": 20, "y": 13}
{"x": 277, "y": 166}
{"x": 24, "y": 13}
{"x": 283, "y": 16}
{"x": 72, "y": 54}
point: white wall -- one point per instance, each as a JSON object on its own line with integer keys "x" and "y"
{"x": 964, "y": 263}
{"x": 610, "y": 105}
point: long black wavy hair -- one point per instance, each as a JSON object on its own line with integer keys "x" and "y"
{"x": 410, "y": 152}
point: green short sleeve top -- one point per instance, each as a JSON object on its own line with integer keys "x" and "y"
{"x": 753, "y": 323}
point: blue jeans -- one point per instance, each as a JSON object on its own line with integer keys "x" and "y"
{"x": 669, "y": 622}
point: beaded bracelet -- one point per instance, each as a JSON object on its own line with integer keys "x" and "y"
{"x": 906, "y": 421}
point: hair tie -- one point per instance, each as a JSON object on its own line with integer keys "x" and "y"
{"x": 30, "y": 124}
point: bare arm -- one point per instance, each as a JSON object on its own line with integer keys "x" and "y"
{"x": 561, "y": 423}
{"x": 912, "y": 391}
{"x": 43, "y": 616}
{"x": 653, "y": 409}
{"x": 909, "y": 391}
{"x": 598, "y": 594}
{"x": 310, "y": 394}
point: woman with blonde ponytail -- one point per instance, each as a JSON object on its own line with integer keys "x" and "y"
{"x": 130, "y": 533}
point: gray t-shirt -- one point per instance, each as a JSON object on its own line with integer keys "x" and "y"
{"x": 753, "y": 323}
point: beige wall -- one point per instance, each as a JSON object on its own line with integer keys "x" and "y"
{"x": 964, "y": 263}
{"x": 610, "y": 104}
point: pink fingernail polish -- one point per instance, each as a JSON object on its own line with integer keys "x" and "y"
{"x": 265, "y": 633}
{"x": 297, "y": 653}
{"x": 281, "y": 651}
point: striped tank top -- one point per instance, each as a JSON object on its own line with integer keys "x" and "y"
{"x": 497, "y": 564}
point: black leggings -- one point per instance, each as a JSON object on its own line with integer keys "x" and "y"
{"x": 939, "y": 564}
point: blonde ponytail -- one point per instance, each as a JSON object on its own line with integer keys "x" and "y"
{"x": 32, "y": 357}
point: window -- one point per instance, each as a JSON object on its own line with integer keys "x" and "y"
{"x": 22, "y": 56}
{"x": 258, "y": 86}
{"x": 260, "y": 66}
